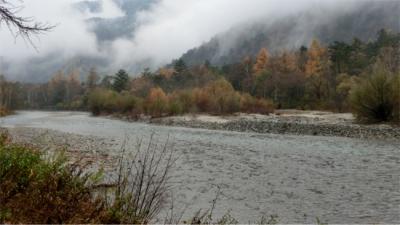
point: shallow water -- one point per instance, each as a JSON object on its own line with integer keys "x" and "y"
{"x": 298, "y": 178}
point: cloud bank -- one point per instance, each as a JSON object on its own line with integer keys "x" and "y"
{"x": 163, "y": 31}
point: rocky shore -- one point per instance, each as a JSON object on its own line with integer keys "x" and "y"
{"x": 86, "y": 150}
{"x": 291, "y": 122}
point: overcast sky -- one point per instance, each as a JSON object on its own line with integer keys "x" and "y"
{"x": 165, "y": 30}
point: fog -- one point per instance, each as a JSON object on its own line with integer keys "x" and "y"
{"x": 163, "y": 31}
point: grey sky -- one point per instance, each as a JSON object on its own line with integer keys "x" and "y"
{"x": 164, "y": 31}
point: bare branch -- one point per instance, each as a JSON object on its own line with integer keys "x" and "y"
{"x": 20, "y": 26}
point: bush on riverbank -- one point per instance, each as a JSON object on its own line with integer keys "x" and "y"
{"x": 33, "y": 190}
{"x": 377, "y": 97}
{"x": 4, "y": 111}
{"x": 39, "y": 189}
{"x": 217, "y": 97}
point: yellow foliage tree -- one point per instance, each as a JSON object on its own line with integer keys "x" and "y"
{"x": 317, "y": 69}
{"x": 261, "y": 61}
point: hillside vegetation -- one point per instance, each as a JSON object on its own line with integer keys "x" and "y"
{"x": 341, "y": 76}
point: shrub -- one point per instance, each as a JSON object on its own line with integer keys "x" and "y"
{"x": 33, "y": 190}
{"x": 142, "y": 183}
{"x": 222, "y": 98}
{"x": 181, "y": 102}
{"x": 376, "y": 98}
{"x": 202, "y": 100}
{"x": 249, "y": 104}
{"x": 156, "y": 103}
{"x": 175, "y": 107}
{"x": 4, "y": 111}
{"x": 108, "y": 101}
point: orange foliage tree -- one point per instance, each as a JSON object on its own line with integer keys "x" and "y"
{"x": 156, "y": 102}
{"x": 317, "y": 70}
{"x": 261, "y": 62}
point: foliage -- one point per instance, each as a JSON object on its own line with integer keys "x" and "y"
{"x": 121, "y": 81}
{"x": 4, "y": 111}
{"x": 38, "y": 189}
{"x": 261, "y": 61}
{"x": 109, "y": 101}
{"x": 156, "y": 103}
{"x": 34, "y": 190}
{"x": 180, "y": 66}
{"x": 316, "y": 77}
{"x": 377, "y": 97}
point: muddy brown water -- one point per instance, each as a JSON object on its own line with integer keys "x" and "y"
{"x": 297, "y": 178}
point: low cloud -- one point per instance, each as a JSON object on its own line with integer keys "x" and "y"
{"x": 164, "y": 30}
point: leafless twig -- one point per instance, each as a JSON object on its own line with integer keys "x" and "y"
{"x": 20, "y": 26}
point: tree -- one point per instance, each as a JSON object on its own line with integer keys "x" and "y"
{"x": 340, "y": 55}
{"x": 5, "y": 93}
{"x": 146, "y": 72}
{"x": 25, "y": 26}
{"x": 284, "y": 80}
{"x": 57, "y": 88}
{"x": 156, "y": 102}
{"x": 317, "y": 70}
{"x": 92, "y": 79}
{"x": 261, "y": 62}
{"x": 180, "y": 66}
{"x": 121, "y": 81}
{"x": 73, "y": 86}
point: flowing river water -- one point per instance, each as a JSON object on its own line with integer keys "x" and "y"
{"x": 297, "y": 178}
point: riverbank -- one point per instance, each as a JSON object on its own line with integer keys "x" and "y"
{"x": 5, "y": 112}
{"x": 89, "y": 151}
{"x": 257, "y": 174}
{"x": 293, "y": 122}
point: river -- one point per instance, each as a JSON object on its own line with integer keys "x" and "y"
{"x": 297, "y": 178}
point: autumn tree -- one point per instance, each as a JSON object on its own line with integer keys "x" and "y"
{"x": 5, "y": 92}
{"x": 261, "y": 62}
{"x": 57, "y": 88}
{"x": 73, "y": 85}
{"x": 156, "y": 102}
{"x": 92, "y": 79}
{"x": 285, "y": 83}
{"x": 317, "y": 70}
{"x": 245, "y": 69}
{"x": 166, "y": 73}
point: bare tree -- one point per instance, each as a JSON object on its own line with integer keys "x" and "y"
{"x": 24, "y": 27}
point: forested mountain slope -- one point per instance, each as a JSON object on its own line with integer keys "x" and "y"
{"x": 362, "y": 21}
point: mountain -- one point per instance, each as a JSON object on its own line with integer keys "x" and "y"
{"x": 111, "y": 29}
{"x": 363, "y": 22}
{"x": 41, "y": 68}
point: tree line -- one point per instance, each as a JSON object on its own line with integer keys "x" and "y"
{"x": 339, "y": 77}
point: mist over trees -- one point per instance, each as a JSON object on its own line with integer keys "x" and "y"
{"x": 336, "y": 77}
{"x": 109, "y": 42}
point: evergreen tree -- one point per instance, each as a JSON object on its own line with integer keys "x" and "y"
{"x": 121, "y": 81}
{"x": 180, "y": 66}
